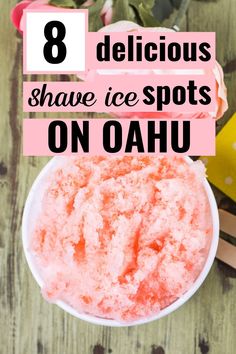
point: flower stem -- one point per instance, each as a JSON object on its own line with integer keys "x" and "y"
{"x": 181, "y": 13}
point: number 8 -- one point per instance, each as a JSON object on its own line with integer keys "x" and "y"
{"x": 55, "y": 41}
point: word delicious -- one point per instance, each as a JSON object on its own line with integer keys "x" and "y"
{"x": 156, "y": 97}
{"x": 137, "y": 51}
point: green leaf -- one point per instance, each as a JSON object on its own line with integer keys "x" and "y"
{"x": 139, "y": 11}
{"x": 147, "y": 17}
{"x": 63, "y": 3}
{"x": 95, "y": 21}
{"x": 122, "y": 11}
{"x": 149, "y": 4}
{"x": 144, "y": 13}
{"x": 79, "y": 3}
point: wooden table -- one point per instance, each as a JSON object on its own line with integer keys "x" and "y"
{"x": 206, "y": 324}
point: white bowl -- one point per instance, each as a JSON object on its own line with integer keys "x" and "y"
{"x": 31, "y": 210}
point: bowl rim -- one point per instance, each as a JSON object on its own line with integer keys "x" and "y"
{"x": 109, "y": 322}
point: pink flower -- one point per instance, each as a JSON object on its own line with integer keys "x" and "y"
{"x": 221, "y": 91}
{"x": 17, "y": 11}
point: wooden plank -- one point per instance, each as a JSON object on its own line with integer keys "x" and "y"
{"x": 227, "y": 222}
{"x": 227, "y": 253}
{"x": 29, "y": 325}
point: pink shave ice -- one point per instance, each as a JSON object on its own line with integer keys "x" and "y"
{"x": 122, "y": 237}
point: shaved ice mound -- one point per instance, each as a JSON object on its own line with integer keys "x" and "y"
{"x": 121, "y": 237}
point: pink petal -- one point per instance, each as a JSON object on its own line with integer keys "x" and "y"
{"x": 107, "y": 12}
{"x": 221, "y": 93}
{"x": 108, "y": 17}
{"x": 17, "y": 13}
{"x": 39, "y": 4}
